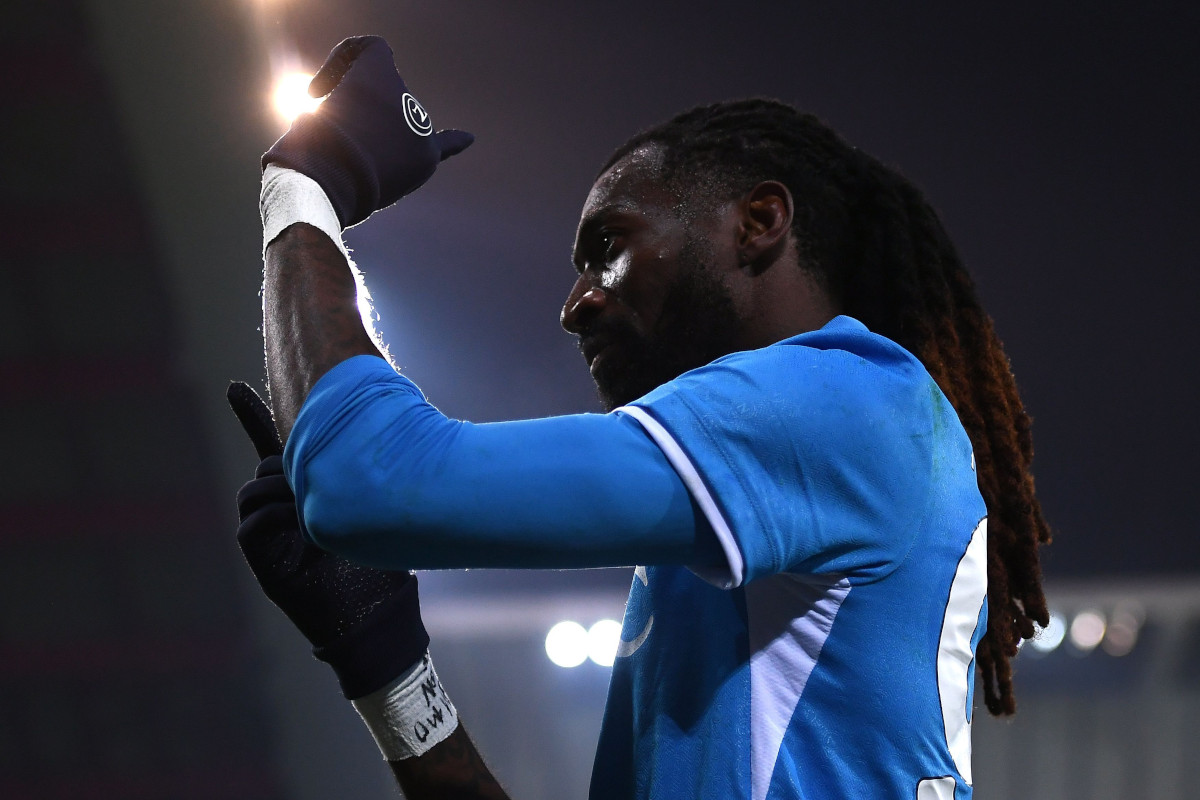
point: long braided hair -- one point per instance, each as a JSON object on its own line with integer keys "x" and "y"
{"x": 878, "y": 247}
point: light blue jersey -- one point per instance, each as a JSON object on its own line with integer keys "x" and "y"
{"x": 833, "y": 658}
{"x": 817, "y": 540}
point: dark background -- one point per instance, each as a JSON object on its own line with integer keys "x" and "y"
{"x": 1058, "y": 143}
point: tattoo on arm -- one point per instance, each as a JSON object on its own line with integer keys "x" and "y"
{"x": 311, "y": 321}
{"x": 451, "y": 770}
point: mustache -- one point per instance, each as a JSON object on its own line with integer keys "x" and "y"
{"x": 601, "y": 334}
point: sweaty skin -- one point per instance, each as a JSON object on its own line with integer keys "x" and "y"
{"x": 665, "y": 286}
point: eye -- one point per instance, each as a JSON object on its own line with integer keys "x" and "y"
{"x": 608, "y": 243}
{"x": 600, "y": 243}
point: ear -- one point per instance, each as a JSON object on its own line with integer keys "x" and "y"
{"x": 766, "y": 219}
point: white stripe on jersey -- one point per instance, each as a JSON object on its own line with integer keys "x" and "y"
{"x": 789, "y": 618}
{"x": 695, "y": 486}
{"x": 956, "y": 656}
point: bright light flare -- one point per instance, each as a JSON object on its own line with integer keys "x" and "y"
{"x": 290, "y": 97}
{"x": 603, "y": 638}
{"x": 567, "y": 644}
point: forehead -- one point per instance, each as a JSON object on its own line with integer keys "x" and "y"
{"x": 633, "y": 182}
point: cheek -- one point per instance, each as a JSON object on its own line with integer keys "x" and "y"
{"x": 639, "y": 284}
{"x": 614, "y": 277}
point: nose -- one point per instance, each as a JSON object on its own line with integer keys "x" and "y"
{"x": 585, "y": 301}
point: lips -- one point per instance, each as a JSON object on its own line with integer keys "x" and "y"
{"x": 594, "y": 348}
{"x": 604, "y": 341}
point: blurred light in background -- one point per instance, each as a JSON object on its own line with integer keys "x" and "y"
{"x": 603, "y": 638}
{"x": 1087, "y": 629}
{"x": 1116, "y": 633}
{"x": 567, "y": 644}
{"x": 290, "y": 96}
{"x": 1050, "y": 637}
{"x": 1122, "y": 633}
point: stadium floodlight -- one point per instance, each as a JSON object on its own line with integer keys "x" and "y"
{"x": 567, "y": 644}
{"x": 290, "y": 96}
{"x": 603, "y": 638}
{"x": 1087, "y": 629}
{"x": 1050, "y": 637}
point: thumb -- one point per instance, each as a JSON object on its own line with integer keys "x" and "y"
{"x": 255, "y": 417}
{"x": 452, "y": 142}
{"x": 338, "y": 63}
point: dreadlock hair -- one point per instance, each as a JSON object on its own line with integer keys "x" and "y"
{"x": 869, "y": 236}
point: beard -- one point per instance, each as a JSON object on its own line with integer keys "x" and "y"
{"x": 698, "y": 323}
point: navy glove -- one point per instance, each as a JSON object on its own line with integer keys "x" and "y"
{"x": 370, "y": 143}
{"x": 363, "y": 622}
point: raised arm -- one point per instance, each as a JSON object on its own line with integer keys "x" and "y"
{"x": 366, "y": 146}
{"x": 311, "y": 321}
{"x": 369, "y": 144}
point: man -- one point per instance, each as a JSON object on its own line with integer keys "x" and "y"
{"x": 783, "y": 334}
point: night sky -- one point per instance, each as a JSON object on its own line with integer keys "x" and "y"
{"x": 1056, "y": 144}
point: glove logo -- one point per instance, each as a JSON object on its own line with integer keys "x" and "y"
{"x": 416, "y": 116}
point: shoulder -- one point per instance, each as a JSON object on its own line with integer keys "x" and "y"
{"x": 841, "y": 370}
{"x": 817, "y": 447}
{"x": 843, "y": 351}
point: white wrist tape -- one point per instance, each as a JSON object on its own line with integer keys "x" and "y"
{"x": 409, "y": 715}
{"x": 288, "y": 197}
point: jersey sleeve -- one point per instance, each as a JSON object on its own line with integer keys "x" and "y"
{"x": 812, "y": 456}
{"x": 383, "y": 477}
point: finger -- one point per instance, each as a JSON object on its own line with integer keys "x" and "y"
{"x": 263, "y": 491}
{"x": 271, "y": 465}
{"x": 338, "y": 63}
{"x": 271, "y": 543}
{"x": 452, "y": 142}
{"x": 255, "y": 417}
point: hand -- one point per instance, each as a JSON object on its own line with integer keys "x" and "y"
{"x": 370, "y": 143}
{"x": 363, "y": 622}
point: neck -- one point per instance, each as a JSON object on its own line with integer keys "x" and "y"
{"x": 785, "y": 301}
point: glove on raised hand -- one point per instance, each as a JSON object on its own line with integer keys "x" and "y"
{"x": 363, "y": 622}
{"x": 370, "y": 143}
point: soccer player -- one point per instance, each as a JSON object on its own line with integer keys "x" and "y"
{"x": 815, "y": 449}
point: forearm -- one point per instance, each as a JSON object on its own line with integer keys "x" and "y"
{"x": 311, "y": 320}
{"x": 451, "y": 770}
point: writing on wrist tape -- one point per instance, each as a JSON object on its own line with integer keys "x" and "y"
{"x": 289, "y": 197}
{"x": 411, "y": 714}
